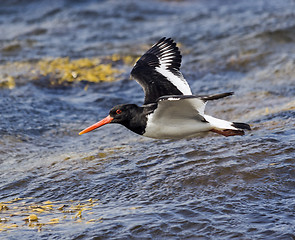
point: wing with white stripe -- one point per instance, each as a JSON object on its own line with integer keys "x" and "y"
{"x": 158, "y": 71}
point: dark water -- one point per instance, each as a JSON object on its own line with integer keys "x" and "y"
{"x": 203, "y": 188}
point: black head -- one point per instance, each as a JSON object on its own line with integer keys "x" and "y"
{"x": 124, "y": 113}
{"x": 129, "y": 115}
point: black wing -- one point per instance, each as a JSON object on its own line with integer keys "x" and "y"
{"x": 204, "y": 98}
{"x": 157, "y": 71}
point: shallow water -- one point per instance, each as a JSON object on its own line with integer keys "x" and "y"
{"x": 204, "y": 188}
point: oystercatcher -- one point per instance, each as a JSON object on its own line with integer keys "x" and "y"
{"x": 170, "y": 111}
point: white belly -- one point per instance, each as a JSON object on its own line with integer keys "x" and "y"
{"x": 175, "y": 128}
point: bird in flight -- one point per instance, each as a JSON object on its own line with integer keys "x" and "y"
{"x": 170, "y": 110}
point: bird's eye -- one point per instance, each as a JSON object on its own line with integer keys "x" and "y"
{"x": 119, "y": 111}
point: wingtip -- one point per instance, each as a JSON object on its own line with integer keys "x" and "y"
{"x": 216, "y": 96}
{"x": 166, "y": 40}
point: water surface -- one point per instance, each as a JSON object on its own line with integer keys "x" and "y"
{"x": 113, "y": 184}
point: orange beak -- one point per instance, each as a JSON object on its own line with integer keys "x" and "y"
{"x": 102, "y": 122}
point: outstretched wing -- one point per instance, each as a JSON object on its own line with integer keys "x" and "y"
{"x": 180, "y": 107}
{"x": 185, "y": 106}
{"x": 157, "y": 71}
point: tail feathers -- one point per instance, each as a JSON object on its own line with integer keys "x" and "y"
{"x": 241, "y": 125}
{"x": 227, "y": 128}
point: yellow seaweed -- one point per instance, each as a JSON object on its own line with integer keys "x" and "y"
{"x": 53, "y": 221}
{"x": 49, "y": 213}
{"x": 40, "y": 210}
{"x": 3, "y": 207}
{"x": 79, "y": 214}
{"x": 31, "y": 218}
{"x": 63, "y": 70}
{"x": 91, "y": 221}
{"x": 7, "y": 82}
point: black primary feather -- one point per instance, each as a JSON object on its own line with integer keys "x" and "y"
{"x": 154, "y": 83}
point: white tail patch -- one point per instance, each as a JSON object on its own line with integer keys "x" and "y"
{"x": 224, "y": 127}
{"x": 219, "y": 123}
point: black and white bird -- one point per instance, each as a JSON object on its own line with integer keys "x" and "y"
{"x": 170, "y": 111}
